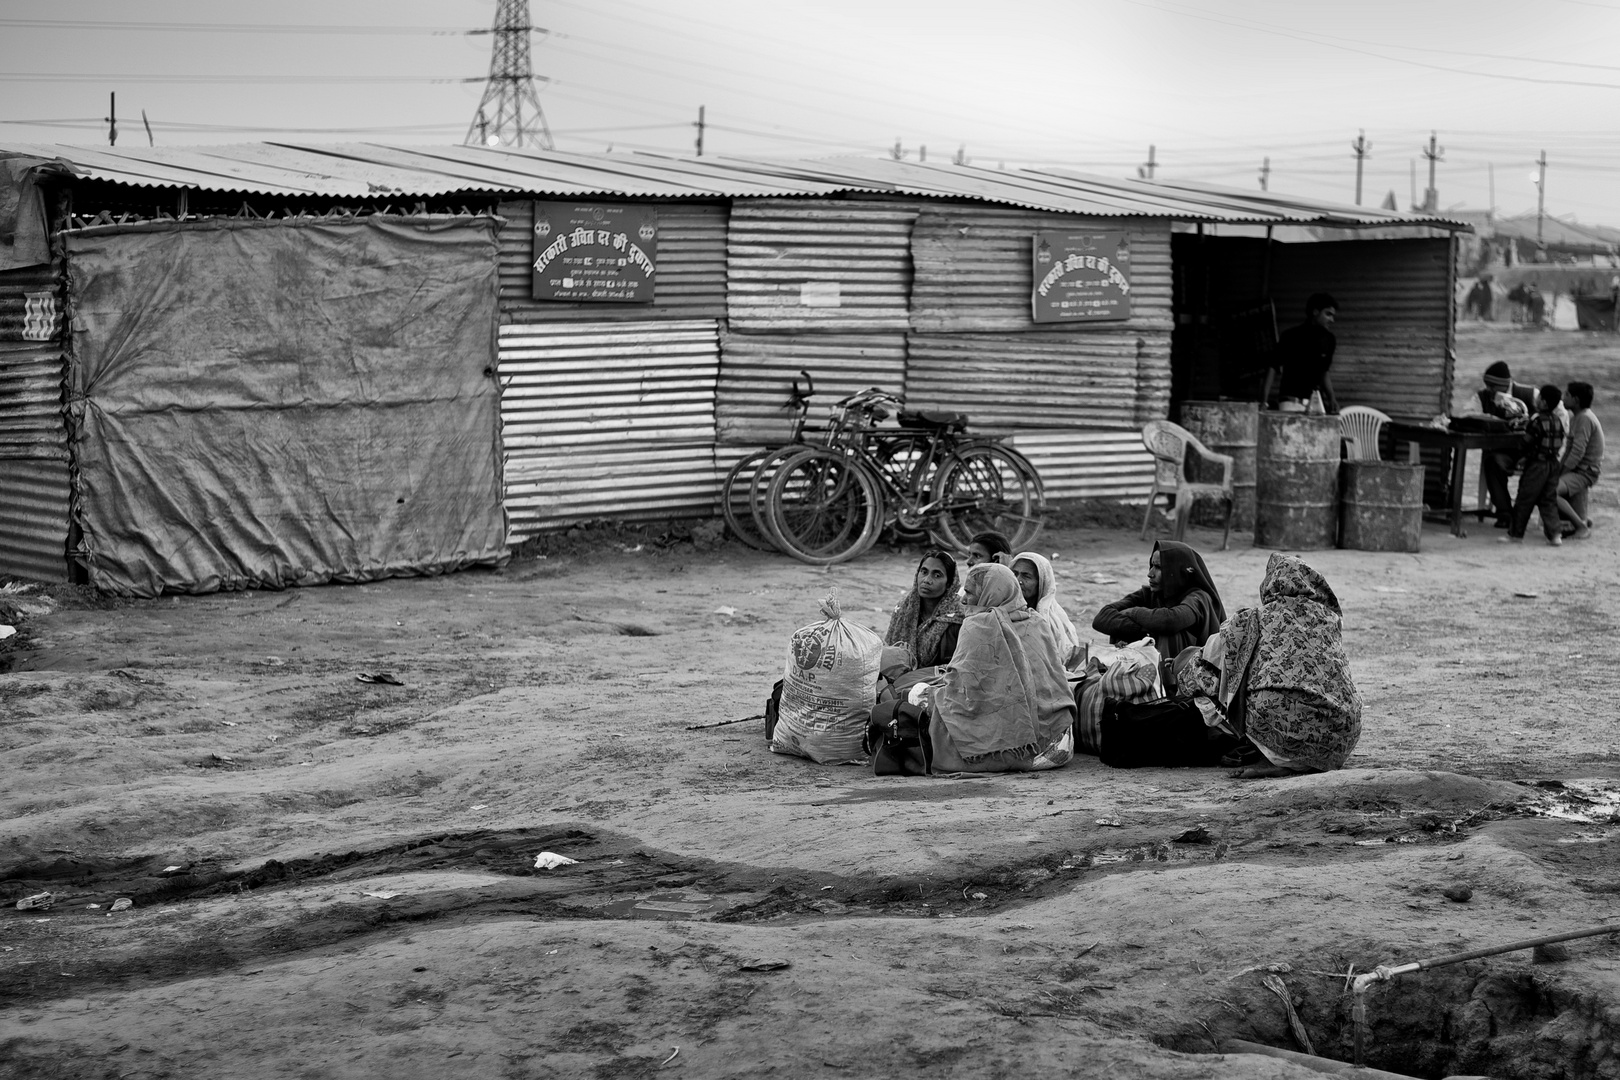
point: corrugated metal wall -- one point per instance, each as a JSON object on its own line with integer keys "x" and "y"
{"x": 757, "y": 372}
{"x": 690, "y": 283}
{"x": 608, "y": 419}
{"x": 1088, "y": 464}
{"x": 819, "y": 264}
{"x": 34, "y": 481}
{"x": 1396, "y": 319}
{"x": 974, "y": 273}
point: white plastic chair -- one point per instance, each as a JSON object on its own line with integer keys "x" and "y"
{"x": 1168, "y": 443}
{"x": 1360, "y": 426}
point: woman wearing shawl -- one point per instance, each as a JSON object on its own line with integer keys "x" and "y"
{"x": 1179, "y": 607}
{"x": 1038, "y": 584}
{"x": 1003, "y": 704}
{"x": 1280, "y": 674}
{"x": 926, "y": 622}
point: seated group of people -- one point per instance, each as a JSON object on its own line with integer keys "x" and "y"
{"x": 998, "y": 674}
{"x": 1561, "y": 455}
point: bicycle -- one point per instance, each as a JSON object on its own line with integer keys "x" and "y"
{"x": 827, "y": 504}
{"x": 740, "y": 495}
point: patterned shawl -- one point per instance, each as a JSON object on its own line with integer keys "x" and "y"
{"x": 1294, "y": 653}
{"x": 921, "y": 637}
{"x": 1005, "y": 692}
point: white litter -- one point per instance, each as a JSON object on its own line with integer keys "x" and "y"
{"x": 481, "y": 806}
{"x": 37, "y": 902}
{"x": 381, "y": 894}
{"x": 6, "y": 631}
{"x": 123, "y": 903}
{"x": 550, "y": 860}
{"x": 725, "y": 609}
{"x": 172, "y": 869}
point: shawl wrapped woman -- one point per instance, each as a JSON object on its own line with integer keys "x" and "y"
{"x": 1284, "y": 676}
{"x": 1049, "y": 608}
{"x": 1184, "y": 610}
{"x": 1004, "y": 699}
{"x": 928, "y": 641}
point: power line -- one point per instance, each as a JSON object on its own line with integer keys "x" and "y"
{"x": 373, "y": 29}
{"x": 277, "y": 80}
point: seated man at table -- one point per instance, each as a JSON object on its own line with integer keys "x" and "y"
{"x": 1509, "y": 401}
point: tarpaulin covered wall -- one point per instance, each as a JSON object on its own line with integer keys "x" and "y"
{"x": 262, "y": 404}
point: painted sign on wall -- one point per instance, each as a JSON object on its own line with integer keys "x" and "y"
{"x": 603, "y": 252}
{"x": 1081, "y": 276}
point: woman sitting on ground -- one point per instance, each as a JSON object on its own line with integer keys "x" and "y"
{"x": 1003, "y": 704}
{"x": 1280, "y": 676}
{"x": 1180, "y": 605}
{"x": 985, "y": 547}
{"x": 1038, "y": 584}
{"x": 923, "y": 629}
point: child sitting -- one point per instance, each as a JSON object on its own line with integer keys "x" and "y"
{"x": 1538, "y": 487}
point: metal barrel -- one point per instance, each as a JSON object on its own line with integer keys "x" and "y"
{"x": 1381, "y": 506}
{"x": 1297, "y": 481}
{"x": 1226, "y": 427}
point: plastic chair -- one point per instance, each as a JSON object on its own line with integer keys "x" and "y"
{"x": 1169, "y": 443}
{"x": 1359, "y": 426}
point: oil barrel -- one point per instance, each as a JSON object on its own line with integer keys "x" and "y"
{"x": 1297, "y": 482}
{"x": 1380, "y": 506}
{"x": 1226, "y": 427}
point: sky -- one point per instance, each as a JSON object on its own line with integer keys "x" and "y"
{"x": 1216, "y": 87}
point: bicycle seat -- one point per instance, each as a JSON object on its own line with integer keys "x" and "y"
{"x": 935, "y": 421}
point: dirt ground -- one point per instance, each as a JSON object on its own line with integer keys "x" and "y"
{"x": 333, "y": 878}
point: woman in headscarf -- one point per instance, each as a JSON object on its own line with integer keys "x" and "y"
{"x": 1003, "y": 704}
{"x": 925, "y": 623}
{"x": 1180, "y": 605}
{"x": 1038, "y": 584}
{"x": 1280, "y": 675}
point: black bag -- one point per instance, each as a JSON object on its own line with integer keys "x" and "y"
{"x": 1137, "y": 734}
{"x": 897, "y": 737}
{"x": 773, "y": 710}
{"x": 1489, "y": 425}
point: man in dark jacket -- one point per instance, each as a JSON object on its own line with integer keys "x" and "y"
{"x": 1497, "y": 399}
{"x": 1304, "y": 355}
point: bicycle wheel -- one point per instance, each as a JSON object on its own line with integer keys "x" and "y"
{"x": 987, "y": 488}
{"x": 823, "y": 508}
{"x": 760, "y": 483}
{"x": 735, "y": 504}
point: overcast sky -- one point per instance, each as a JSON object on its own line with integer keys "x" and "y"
{"x": 1215, "y": 85}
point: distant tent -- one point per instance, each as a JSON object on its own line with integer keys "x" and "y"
{"x": 1389, "y": 201}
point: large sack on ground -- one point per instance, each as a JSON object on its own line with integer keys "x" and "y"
{"x": 828, "y": 686}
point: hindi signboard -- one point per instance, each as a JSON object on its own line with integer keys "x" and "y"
{"x": 1081, "y": 276}
{"x": 604, "y": 252}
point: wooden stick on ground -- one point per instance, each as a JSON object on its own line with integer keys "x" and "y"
{"x": 723, "y": 723}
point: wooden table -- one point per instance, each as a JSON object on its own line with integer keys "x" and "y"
{"x": 1458, "y": 443}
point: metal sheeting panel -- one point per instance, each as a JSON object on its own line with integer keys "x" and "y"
{"x": 973, "y": 268}
{"x": 1098, "y": 378}
{"x": 608, "y": 419}
{"x": 34, "y": 518}
{"x": 1088, "y": 464}
{"x": 757, "y": 373}
{"x": 819, "y": 264}
{"x": 1395, "y": 320}
{"x": 690, "y": 283}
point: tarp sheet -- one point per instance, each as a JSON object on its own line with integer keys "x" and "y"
{"x": 262, "y": 404}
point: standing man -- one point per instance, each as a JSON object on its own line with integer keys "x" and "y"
{"x": 1304, "y": 355}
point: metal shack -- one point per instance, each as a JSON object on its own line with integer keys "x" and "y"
{"x": 579, "y": 336}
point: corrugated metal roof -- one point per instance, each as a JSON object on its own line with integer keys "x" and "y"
{"x": 361, "y": 170}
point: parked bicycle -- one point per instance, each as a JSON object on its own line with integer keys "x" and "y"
{"x": 826, "y": 503}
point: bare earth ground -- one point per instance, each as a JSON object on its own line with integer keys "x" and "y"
{"x": 933, "y": 927}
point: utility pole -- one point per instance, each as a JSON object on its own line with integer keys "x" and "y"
{"x": 1362, "y": 148}
{"x": 509, "y": 94}
{"x": 112, "y": 118}
{"x": 1541, "y": 195}
{"x": 1490, "y": 172}
{"x": 700, "y": 131}
{"x": 1412, "y": 177}
{"x": 897, "y": 153}
{"x": 960, "y": 157}
{"x": 1265, "y": 174}
{"x": 922, "y": 152}
{"x": 1431, "y": 197}
{"x": 1146, "y": 171}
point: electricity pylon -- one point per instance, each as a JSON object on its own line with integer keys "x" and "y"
{"x": 509, "y": 114}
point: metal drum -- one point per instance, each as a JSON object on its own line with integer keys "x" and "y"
{"x": 1297, "y": 482}
{"x": 1226, "y": 427}
{"x": 1381, "y": 508}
